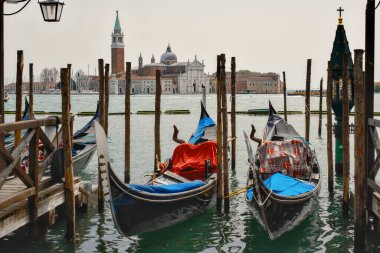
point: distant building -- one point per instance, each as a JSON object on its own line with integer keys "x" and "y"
{"x": 377, "y": 86}
{"x": 254, "y": 82}
{"x": 38, "y": 87}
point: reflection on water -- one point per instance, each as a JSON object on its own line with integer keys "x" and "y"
{"x": 237, "y": 231}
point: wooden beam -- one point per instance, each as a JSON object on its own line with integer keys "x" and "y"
{"x": 285, "y": 94}
{"x": 20, "y": 67}
{"x": 233, "y": 113}
{"x": 31, "y": 102}
{"x": 157, "y": 120}
{"x": 219, "y": 193}
{"x": 226, "y": 187}
{"x": 320, "y": 108}
{"x": 10, "y": 200}
{"x": 346, "y": 136}
{"x": 26, "y": 124}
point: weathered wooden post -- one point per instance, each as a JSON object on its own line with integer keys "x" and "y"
{"x": 369, "y": 66}
{"x": 345, "y": 136}
{"x": 71, "y": 121}
{"x": 285, "y": 95}
{"x": 219, "y": 194}
{"x": 102, "y": 123}
{"x": 307, "y": 101}
{"x": 20, "y": 67}
{"x": 233, "y": 113}
{"x": 101, "y": 93}
{"x": 330, "y": 162}
{"x": 360, "y": 159}
{"x": 31, "y": 102}
{"x": 320, "y": 108}
{"x": 69, "y": 173}
{"x": 225, "y": 133}
{"x": 127, "y": 134}
{"x": 157, "y": 120}
{"x": 107, "y": 96}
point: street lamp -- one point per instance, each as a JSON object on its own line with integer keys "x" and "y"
{"x": 51, "y": 10}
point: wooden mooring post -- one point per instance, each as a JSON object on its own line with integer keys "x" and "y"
{"x": 127, "y": 119}
{"x": 330, "y": 162}
{"x": 106, "y": 96}
{"x": 67, "y": 147}
{"x": 307, "y": 101}
{"x": 219, "y": 194}
{"x": 345, "y": 137}
{"x": 233, "y": 113}
{"x": 102, "y": 123}
{"x": 20, "y": 67}
{"x": 360, "y": 173}
{"x": 31, "y": 102}
{"x": 285, "y": 95}
{"x": 225, "y": 133}
{"x": 320, "y": 108}
{"x": 157, "y": 120}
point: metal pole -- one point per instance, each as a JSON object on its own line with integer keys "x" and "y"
{"x": 219, "y": 139}
{"x": 285, "y": 94}
{"x": 330, "y": 162}
{"x": 320, "y": 108}
{"x": 31, "y": 109}
{"x": 127, "y": 155}
{"x": 157, "y": 120}
{"x": 307, "y": 101}
{"x": 233, "y": 113}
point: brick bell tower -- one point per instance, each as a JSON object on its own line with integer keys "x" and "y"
{"x": 117, "y": 48}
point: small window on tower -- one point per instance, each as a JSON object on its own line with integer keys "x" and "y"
{"x": 114, "y": 40}
{"x": 120, "y": 40}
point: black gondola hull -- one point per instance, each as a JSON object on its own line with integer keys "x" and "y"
{"x": 136, "y": 212}
{"x": 280, "y": 214}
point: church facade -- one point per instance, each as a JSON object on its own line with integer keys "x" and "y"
{"x": 176, "y": 77}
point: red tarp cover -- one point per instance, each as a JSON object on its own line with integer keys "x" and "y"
{"x": 189, "y": 160}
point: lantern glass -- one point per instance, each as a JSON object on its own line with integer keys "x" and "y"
{"x": 51, "y": 10}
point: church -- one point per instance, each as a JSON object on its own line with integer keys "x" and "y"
{"x": 176, "y": 77}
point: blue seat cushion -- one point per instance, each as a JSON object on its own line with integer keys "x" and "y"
{"x": 170, "y": 188}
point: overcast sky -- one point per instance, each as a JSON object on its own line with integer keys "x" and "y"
{"x": 264, "y": 36}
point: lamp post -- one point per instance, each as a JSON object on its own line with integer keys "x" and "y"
{"x": 51, "y": 11}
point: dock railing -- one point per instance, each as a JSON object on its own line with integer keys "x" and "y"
{"x": 33, "y": 136}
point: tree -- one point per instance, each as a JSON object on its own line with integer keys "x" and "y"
{"x": 49, "y": 75}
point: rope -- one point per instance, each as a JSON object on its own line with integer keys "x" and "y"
{"x": 237, "y": 192}
{"x": 377, "y": 5}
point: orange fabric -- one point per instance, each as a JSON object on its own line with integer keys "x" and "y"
{"x": 189, "y": 160}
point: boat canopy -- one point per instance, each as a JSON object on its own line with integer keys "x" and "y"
{"x": 170, "y": 188}
{"x": 289, "y": 157}
{"x": 189, "y": 160}
{"x": 206, "y": 128}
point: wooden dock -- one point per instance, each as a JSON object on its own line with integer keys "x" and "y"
{"x": 14, "y": 206}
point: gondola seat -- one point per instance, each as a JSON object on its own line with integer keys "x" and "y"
{"x": 170, "y": 188}
{"x": 188, "y": 160}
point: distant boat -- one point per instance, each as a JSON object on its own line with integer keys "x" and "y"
{"x": 6, "y": 96}
{"x": 313, "y": 93}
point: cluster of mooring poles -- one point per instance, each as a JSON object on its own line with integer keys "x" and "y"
{"x": 222, "y": 131}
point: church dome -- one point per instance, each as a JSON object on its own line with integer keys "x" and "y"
{"x": 168, "y": 57}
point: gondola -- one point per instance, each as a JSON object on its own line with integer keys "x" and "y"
{"x": 183, "y": 188}
{"x": 284, "y": 177}
{"x": 84, "y": 144}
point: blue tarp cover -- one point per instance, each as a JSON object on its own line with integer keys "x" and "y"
{"x": 287, "y": 186}
{"x": 170, "y": 188}
{"x": 202, "y": 125}
{"x": 284, "y": 185}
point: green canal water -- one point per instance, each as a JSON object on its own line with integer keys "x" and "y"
{"x": 323, "y": 231}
